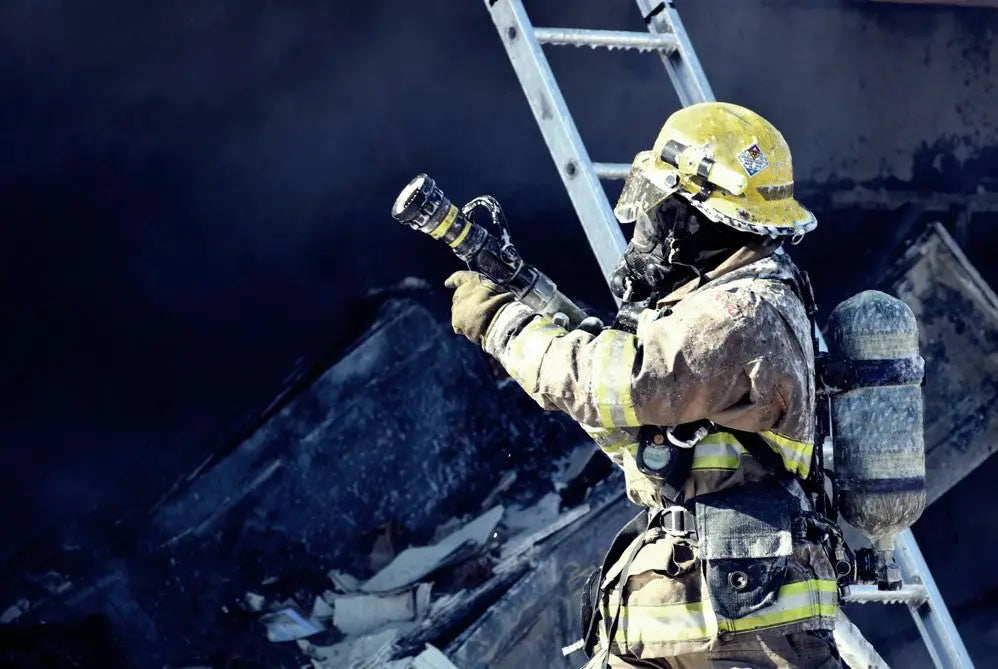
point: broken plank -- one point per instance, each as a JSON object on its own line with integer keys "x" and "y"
{"x": 412, "y": 564}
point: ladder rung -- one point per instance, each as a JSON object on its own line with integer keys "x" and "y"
{"x": 610, "y": 39}
{"x": 612, "y": 171}
{"x": 912, "y": 593}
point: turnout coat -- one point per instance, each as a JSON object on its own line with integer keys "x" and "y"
{"x": 734, "y": 348}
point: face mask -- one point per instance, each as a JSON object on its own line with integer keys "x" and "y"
{"x": 656, "y": 257}
{"x": 673, "y": 243}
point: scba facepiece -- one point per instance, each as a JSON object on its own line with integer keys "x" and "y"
{"x": 673, "y": 242}
{"x": 658, "y": 254}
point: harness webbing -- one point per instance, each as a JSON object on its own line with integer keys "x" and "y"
{"x": 627, "y": 535}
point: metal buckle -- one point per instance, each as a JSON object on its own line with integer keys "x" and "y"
{"x": 678, "y": 522}
{"x": 701, "y": 432}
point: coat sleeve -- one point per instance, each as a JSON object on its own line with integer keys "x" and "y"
{"x": 719, "y": 355}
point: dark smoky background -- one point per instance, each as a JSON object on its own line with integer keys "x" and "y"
{"x": 195, "y": 195}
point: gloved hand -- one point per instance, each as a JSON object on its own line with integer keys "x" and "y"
{"x": 476, "y": 302}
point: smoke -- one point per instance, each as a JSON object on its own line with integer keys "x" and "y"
{"x": 192, "y": 195}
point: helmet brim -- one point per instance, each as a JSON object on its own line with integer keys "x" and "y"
{"x": 786, "y": 217}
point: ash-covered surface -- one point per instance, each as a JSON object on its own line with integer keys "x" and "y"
{"x": 404, "y": 492}
{"x": 409, "y": 430}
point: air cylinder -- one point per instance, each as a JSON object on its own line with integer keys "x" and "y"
{"x": 874, "y": 378}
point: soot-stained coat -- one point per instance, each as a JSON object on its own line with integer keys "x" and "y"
{"x": 734, "y": 349}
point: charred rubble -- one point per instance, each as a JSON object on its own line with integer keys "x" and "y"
{"x": 405, "y": 485}
{"x": 403, "y": 504}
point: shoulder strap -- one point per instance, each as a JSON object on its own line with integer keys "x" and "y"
{"x": 757, "y": 446}
{"x": 800, "y": 284}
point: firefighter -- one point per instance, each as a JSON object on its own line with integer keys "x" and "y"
{"x": 706, "y": 403}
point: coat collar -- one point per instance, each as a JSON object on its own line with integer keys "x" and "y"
{"x": 736, "y": 266}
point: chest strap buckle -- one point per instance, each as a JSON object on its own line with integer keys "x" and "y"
{"x": 677, "y": 521}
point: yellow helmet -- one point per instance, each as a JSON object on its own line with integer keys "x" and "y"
{"x": 728, "y": 162}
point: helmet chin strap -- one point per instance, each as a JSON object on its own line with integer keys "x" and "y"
{"x": 673, "y": 259}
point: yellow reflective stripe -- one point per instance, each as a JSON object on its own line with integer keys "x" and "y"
{"x": 819, "y": 585}
{"x": 602, "y": 379}
{"x": 702, "y": 463}
{"x": 688, "y": 621}
{"x": 445, "y": 224}
{"x": 721, "y": 450}
{"x": 626, "y": 367}
{"x": 628, "y": 444}
{"x": 658, "y": 624}
{"x": 791, "y": 445}
{"x": 460, "y": 236}
{"x": 611, "y": 440}
{"x": 778, "y": 618}
{"x": 795, "y": 602}
{"x": 526, "y": 350}
{"x": 718, "y": 450}
{"x": 721, "y": 438}
{"x": 796, "y": 454}
{"x": 613, "y": 363}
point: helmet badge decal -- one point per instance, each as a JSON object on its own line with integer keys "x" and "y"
{"x": 753, "y": 160}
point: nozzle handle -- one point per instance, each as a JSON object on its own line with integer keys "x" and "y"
{"x": 560, "y": 304}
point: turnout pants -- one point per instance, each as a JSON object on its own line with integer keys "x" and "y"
{"x": 804, "y": 650}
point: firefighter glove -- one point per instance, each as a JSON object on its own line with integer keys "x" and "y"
{"x": 476, "y": 302}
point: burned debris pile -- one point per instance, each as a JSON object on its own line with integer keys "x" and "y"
{"x": 407, "y": 506}
{"x": 384, "y": 504}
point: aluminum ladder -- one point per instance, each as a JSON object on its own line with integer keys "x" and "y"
{"x": 581, "y": 177}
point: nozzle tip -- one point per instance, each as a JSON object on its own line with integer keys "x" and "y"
{"x": 409, "y": 201}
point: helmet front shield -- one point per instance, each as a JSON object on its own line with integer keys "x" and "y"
{"x": 646, "y": 186}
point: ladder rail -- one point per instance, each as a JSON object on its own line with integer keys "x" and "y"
{"x": 560, "y": 134}
{"x": 682, "y": 64}
{"x": 932, "y": 617}
{"x": 581, "y": 179}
